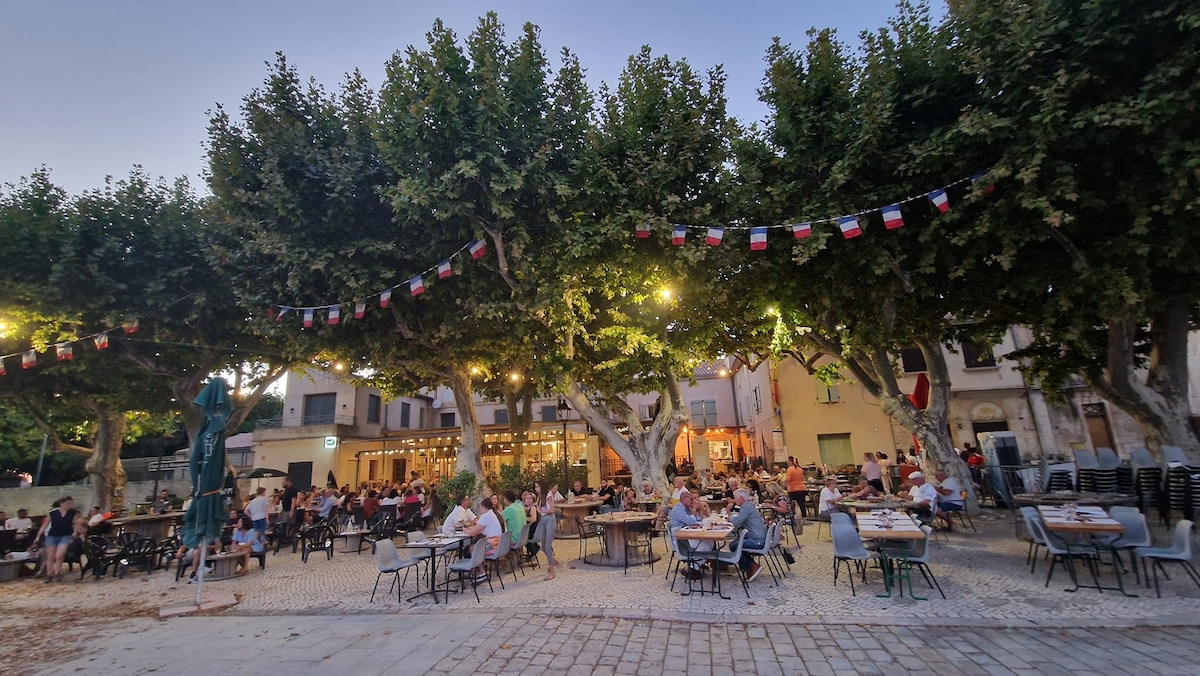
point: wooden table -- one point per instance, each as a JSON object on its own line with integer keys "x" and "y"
{"x": 566, "y": 528}
{"x": 718, "y": 535}
{"x": 903, "y": 528}
{"x": 1094, "y": 499}
{"x": 154, "y": 526}
{"x": 1088, "y": 522}
{"x": 226, "y": 564}
{"x": 614, "y": 537}
{"x": 870, "y": 505}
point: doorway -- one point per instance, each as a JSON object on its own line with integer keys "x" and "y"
{"x": 996, "y": 426}
{"x": 835, "y": 449}
{"x": 399, "y": 469}
{"x": 1096, "y": 418}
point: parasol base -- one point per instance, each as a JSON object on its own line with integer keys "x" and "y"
{"x": 215, "y": 601}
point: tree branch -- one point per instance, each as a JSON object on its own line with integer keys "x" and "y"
{"x": 44, "y": 425}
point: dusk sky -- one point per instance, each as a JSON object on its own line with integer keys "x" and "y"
{"x": 93, "y": 88}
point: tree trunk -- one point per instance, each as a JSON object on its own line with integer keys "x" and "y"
{"x": 469, "y": 459}
{"x": 104, "y": 468}
{"x": 1160, "y": 404}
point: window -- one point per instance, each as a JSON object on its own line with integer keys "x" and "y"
{"x": 501, "y": 416}
{"x": 913, "y": 360}
{"x": 405, "y": 414}
{"x": 648, "y": 411}
{"x": 319, "y": 408}
{"x": 835, "y": 449}
{"x": 977, "y": 356}
{"x": 447, "y": 420}
{"x": 704, "y": 414}
{"x": 421, "y": 418}
{"x": 373, "y": 404}
{"x": 757, "y": 401}
{"x": 549, "y": 413}
{"x": 827, "y": 394}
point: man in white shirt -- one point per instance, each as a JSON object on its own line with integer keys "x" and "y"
{"x": 461, "y": 515}
{"x": 20, "y": 522}
{"x": 923, "y": 495}
{"x": 949, "y": 496}
{"x": 679, "y": 489}
{"x": 257, "y": 509}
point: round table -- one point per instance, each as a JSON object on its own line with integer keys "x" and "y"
{"x": 154, "y": 526}
{"x": 1062, "y": 498}
{"x": 614, "y": 537}
{"x": 566, "y": 528}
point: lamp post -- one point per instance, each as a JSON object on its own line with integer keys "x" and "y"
{"x": 563, "y": 411}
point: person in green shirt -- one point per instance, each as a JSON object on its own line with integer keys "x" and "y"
{"x": 514, "y": 515}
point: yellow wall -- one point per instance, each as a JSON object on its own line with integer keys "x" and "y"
{"x": 804, "y": 418}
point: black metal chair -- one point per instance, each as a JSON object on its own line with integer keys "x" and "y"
{"x": 166, "y": 551}
{"x": 315, "y": 539}
{"x": 588, "y": 531}
{"x": 639, "y": 537}
{"x": 284, "y": 533}
{"x": 382, "y": 529}
{"x": 141, "y": 552}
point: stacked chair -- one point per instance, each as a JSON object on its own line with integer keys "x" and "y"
{"x": 1178, "y": 487}
{"x": 1086, "y": 466}
{"x": 1105, "y": 476}
{"x": 1148, "y": 482}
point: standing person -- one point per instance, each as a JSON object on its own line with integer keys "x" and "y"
{"x": 531, "y": 517}
{"x": 885, "y": 466}
{"x": 287, "y": 501}
{"x": 257, "y": 509}
{"x": 872, "y": 471}
{"x": 797, "y": 487}
{"x": 58, "y": 526}
{"x": 547, "y": 523}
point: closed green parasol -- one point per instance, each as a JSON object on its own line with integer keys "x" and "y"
{"x": 206, "y": 516}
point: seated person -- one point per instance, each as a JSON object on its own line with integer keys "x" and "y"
{"x": 681, "y": 516}
{"x": 864, "y": 490}
{"x": 460, "y": 517}
{"x": 580, "y": 489}
{"x": 648, "y": 492}
{"x": 830, "y": 497}
{"x": 20, "y": 523}
{"x": 949, "y": 498}
{"x": 607, "y": 495}
{"x": 233, "y": 519}
{"x": 246, "y": 538}
{"x": 162, "y": 504}
{"x": 488, "y": 526}
{"x": 678, "y": 490}
{"x": 630, "y": 501}
{"x": 514, "y": 515}
{"x": 923, "y": 496}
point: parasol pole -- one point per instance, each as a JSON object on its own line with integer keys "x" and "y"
{"x": 200, "y": 571}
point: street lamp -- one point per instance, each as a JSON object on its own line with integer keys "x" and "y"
{"x": 563, "y": 411}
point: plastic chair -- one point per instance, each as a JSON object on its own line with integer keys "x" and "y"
{"x": 847, "y": 547}
{"x": 1085, "y": 458}
{"x": 390, "y": 562}
{"x": 683, "y": 555}
{"x": 1029, "y": 514}
{"x": 918, "y": 555}
{"x": 1067, "y": 554}
{"x": 1180, "y": 552}
{"x": 284, "y": 533}
{"x": 315, "y": 539}
{"x": 503, "y": 549}
{"x": 1106, "y": 458}
{"x": 518, "y": 549}
{"x": 766, "y": 551}
{"x": 733, "y": 558}
{"x": 1137, "y": 533}
{"x": 465, "y": 570}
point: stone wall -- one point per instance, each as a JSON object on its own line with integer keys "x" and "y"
{"x": 37, "y": 499}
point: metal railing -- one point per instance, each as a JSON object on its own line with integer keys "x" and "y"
{"x": 303, "y": 421}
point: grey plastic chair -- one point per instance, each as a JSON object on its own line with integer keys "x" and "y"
{"x": 1085, "y": 458}
{"x": 847, "y": 547}
{"x": 1173, "y": 454}
{"x": 766, "y": 551}
{"x": 1137, "y": 533}
{"x": 1036, "y": 541}
{"x": 1067, "y": 554}
{"x": 1179, "y": 552}
{"x": 733, "y": 557}
{"x": 465, "y": 570}
{"x": 918, "y": 556}
{"x": 391, "y": 563}
{"x": 1106, "y": 458}
{"x": 503, "y": 549}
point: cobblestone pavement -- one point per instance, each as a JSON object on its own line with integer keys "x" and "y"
{"x": 493, "y": 641}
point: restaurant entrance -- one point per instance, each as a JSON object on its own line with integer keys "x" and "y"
{"x": 399, "y": 469}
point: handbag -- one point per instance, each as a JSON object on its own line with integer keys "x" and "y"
{"x": 787, "y": 556}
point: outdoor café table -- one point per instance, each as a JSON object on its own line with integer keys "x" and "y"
{"x": 870, "y": 505}
{"x": 902, "y": 529}
{"x": 352, "y": 540}
{"x": 716, "y": 504}
{"x": 614, "y": 536}
{"x": 1087, "y": 523}
{"x": 433, "y": 544}
{"x": 718, "y": 535}
{"x": 225, "y": 564}
{"x": 1071, "y": 497}
{"x": 566, "y": 528}
{"x": 154, "y": 526}
{"x": 648, "y": 505}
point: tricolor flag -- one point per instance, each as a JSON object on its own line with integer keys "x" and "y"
{"x": 478, "y": 248}
{"x": 308, "y": 318}
{"x": 28, "y": 359}
{"x": 940, "y": 200}
{"x": 678, "y": 234}
{"x": 282, "y": 311}
{"x": 385, "y": 298}
{"x": 714, "y": 236}
{"x": 892, "y": 218}
{"x": 335, "y": 315}
{"x": 131, "y": 326}
{"x": 643, "y": 230}
{"x": 64, "y": 351}
{"x": 976, "y": 178}
{"x": 849, "y": 226}
{"x": 360, "y": 309}
{"x": 101, "y": 340}
{"x": 2, "y": 371}
{"x": 416, "y": 285}
{"x": 444, "y": 270}
{"x": 802, "y": 230}
{"x": 758, "y": 239}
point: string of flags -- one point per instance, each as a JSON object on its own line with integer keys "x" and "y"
{"x": 65, "y": 351}
{"x": 416, "y": 286}
{"x": 849, "y": 225}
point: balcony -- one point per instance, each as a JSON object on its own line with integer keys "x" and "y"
{"x": 305, "y": 426}
{"x": 303, "y": 421}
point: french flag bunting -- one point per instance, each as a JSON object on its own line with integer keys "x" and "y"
{"x": 28, "y": 359}
{"x": 643, "y": 230}
{"x": 101, "y": 340}
{"x": 385, "y": 298}
{"x": 131, "y": 326}
{"x": 416, "y": 285}
{"x": 64, "y": 351}
{"x": 849, "y": 226}
{"x": 282, "y": 311}
{"x": 940, "y": 200}
{"x": 678, "y": 234}
{"x": 308, "y": 318}
{"x": 479, "y": 247}
{"x": 892, "y": 218}
{"x": 758, "y": 239}
{"x": 714, "y": 236}
{"x": 444, "y": 270}
{"x": 988, "y": 187}
{"x": 360, "y": 309}
{"x": 335, "y": 315}
{"x": 802, "y": 230}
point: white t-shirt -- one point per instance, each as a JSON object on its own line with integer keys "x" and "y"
{"x": 951, "y": 484}
{"x": 456, "y": 517}
{"x": 922, "y": 493}
{"x": 827, "y": 494}
{"x": 17, "y": 523}
{"x": 257, "y": 508}
{"x": 389, "y": 501}
{"x": 678, "y": 492}
{"x": 491, "y": 524}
